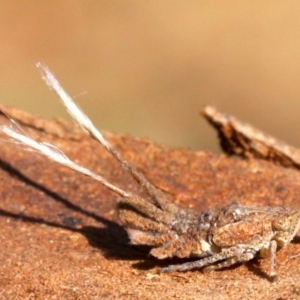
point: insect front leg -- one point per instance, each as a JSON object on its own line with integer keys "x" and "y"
{"x": 233, "y": 252}
{"x": 270, "y": 252}
{"x": 273, "y": 248}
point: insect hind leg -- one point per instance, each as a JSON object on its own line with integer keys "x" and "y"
{"x": 146, "y": 208}
{"x": 233, "y": 252}
{"x": 230, "y": 262}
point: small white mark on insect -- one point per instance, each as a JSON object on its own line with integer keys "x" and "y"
{"x": 205, "y": 246}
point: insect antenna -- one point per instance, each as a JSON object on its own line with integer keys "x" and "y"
{"x": 159, "y": 198}
{"x": 57, "y": 155}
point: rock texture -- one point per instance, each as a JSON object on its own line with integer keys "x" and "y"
{"x": 60, "y": 237}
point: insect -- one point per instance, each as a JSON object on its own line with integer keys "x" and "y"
{"x": 214, "y": 239}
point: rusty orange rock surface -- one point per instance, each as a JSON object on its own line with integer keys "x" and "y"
{"x": 60, "y": 237}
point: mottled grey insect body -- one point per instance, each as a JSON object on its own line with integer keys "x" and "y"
{"x": 220, "y": 238}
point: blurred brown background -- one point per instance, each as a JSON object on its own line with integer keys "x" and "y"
{"x": 148, "y": 67}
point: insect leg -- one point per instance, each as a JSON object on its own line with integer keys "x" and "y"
{"x": 146, "y": 208}
{"x": 225, "y": 254}
{"x": 231, "y": 261}
{"x": 138, "y": 237}
{"x": 133, "y": 219}
{"x": 273, "y": 247}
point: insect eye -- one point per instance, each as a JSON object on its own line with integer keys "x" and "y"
{"x": 207, "y": 217}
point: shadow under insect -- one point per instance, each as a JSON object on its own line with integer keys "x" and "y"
{"x": 112, "y": 239}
